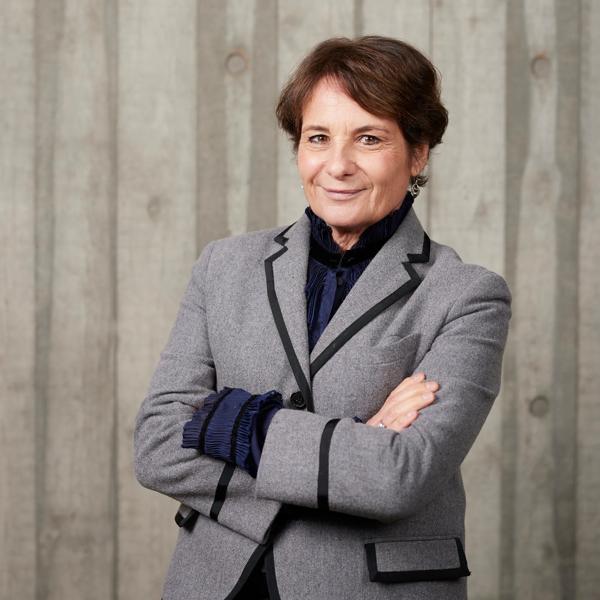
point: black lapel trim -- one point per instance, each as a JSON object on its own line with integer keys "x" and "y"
{"x": 280, "y": 323}
{"x": 221, "y": 491}
{"x": 270, "y": 573}
{"x": 424, "y": 255}
{"x": 375, "y": 310}
{"x": 323, "y": 475}
{"x": 252, "y": 561}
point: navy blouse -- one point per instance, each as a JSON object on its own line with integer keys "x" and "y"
{"x": 332, "y": 272}
{"x": 232, "y": 424}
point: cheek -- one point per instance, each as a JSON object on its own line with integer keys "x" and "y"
{"x": 387, "y": 172}
{"x": 308, "y": 165}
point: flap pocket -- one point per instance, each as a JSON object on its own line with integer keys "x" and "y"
{"x": 393, "y": 350}
{"x": 416, "y": 559}
{"x": 186, "y": 517}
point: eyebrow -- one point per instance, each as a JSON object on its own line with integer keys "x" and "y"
{"x": 357, "y": 130}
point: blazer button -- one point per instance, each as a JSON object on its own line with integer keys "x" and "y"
{"x": 297, "y": 400}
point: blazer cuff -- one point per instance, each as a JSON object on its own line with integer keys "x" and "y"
{"x": 231, "y": 426}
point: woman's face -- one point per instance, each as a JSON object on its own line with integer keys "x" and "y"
{"x": 355, "y": 167}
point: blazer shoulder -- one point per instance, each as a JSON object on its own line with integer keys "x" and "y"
{"x": 456, "y": 276}
{"x": 239, "y": 255}
{"x": 247, "y": 242}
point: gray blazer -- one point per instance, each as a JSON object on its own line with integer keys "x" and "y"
{"x": 340, "y": 510}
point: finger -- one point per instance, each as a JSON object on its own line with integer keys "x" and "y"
{"x": 403, "y": 421}
{"x": 415, "y": 378}
{"x": 374, "y": 420}
{"x": 412, "y": 387}
{"x": 412, "y": 398}
{"x": 415, "y": 401}
{"x": 408, "y": 395}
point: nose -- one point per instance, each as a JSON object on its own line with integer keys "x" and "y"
{"x": 340, "y": 161}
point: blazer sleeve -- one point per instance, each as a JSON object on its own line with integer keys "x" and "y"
{"x": 183, "y": 378}
{"x": 339, "y": 465}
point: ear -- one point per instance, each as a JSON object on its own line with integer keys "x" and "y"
{"x": 419, "y": 159}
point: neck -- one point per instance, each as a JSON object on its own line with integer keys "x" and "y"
{"x": 345, "y": 239}
{"x": 342, "y": 239}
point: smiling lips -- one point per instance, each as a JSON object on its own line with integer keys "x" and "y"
{"x": 341, "y": 194}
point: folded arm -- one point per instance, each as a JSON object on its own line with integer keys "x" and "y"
{"x": 182, "y": 380}
{"x": 340, "y": 465}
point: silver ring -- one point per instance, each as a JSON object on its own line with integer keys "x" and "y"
{"x": 381, "y": 425}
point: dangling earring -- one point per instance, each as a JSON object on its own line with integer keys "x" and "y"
{"x": 414, "y": 188}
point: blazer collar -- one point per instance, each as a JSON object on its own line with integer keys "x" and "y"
{"x": 389, "y": 276}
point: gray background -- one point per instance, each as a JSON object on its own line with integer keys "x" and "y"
{"x": 135, "y": 131}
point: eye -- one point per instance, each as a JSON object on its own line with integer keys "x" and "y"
{"x": 370, "y": 140}
{"x": 319, "y": 138}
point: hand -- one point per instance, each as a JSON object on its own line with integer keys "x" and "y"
{"x": 401, "y": 407}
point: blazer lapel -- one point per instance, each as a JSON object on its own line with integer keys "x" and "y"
{"x": 389, "y": 277}
{"x": 285, "y": 271}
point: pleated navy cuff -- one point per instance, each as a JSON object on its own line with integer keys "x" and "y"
{"x": 231, "y": 426}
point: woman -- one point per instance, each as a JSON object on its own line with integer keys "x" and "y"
{"x": 292, "y": 411}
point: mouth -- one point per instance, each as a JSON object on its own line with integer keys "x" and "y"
{"x": 342, "y": 194}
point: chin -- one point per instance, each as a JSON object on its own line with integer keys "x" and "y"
{"x": 341, "y": 217}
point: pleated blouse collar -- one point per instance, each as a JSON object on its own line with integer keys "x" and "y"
{"x": 367, "y": 245}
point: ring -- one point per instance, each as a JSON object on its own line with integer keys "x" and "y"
{"x": 381, "y": 425}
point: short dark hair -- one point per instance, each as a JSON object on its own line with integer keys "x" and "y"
{"x": 385, "y": 76}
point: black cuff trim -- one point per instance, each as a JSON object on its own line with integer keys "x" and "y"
{"x": 221, "y": 491}
{"x": 323, "y": 476}
{"x": 188, "y": 520}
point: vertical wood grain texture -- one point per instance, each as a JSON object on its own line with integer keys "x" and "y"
{"x": 587, "y": 436}
{"x": 517, "y": 131}
{"x": 17, "y": 299}
{"x": 157, "y": 162}
{"x": 75, "y": 358}
{"x": 239, "y": 16}
{"x": 135, "y": 132}
{"x": 301, "y": 26}
{"x": 251, "y": 91}
{"x": 263, "y": 156}
{"x": 565, "y": 367}
{"x": 467, "y": 212}
{"x": 237, "y": 133}
{"x": 543, "y": 344}
{"x": 535, "y": 553}
{"x": 211, "y": 146}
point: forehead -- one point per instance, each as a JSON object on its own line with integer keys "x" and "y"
{"x": 328, "y": 101}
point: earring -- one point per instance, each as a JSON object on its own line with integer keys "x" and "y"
{"x": 415, "y": 188}
{"x": 301, "y": 186}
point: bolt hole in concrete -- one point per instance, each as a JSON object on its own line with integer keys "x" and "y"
{"x": 540, "y": 66}
{"x": 236, "y": 62}
{"x": 539, "y": 406}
